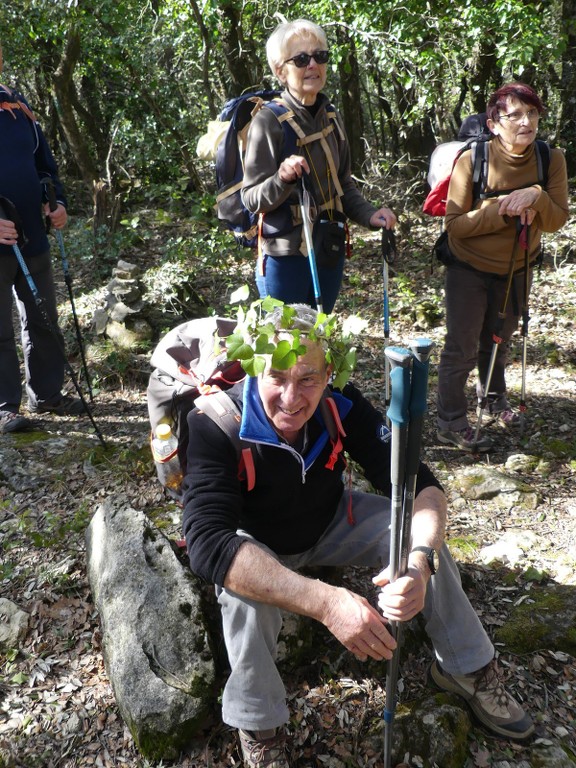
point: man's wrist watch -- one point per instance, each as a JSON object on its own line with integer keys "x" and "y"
{"x": 431, "y": 557}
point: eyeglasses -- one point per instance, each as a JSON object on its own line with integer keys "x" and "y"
{"x": 302, "y": 60}
{"x": 517, "y": 117}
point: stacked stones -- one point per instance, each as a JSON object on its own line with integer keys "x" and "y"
{"x": 122, "y": 318}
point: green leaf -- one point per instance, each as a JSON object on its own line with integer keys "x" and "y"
{"x": 254, "y": 366}
{"x": 240, "y": 294}
{"x": 263, "y": 345}
{"x": 283, "y": 356}
{"x": 270, "y": 303}
{"x": 237, "y": 348}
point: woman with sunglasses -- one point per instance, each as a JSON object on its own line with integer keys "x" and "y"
{"x": 298, "y": 55}
{"x": 486, "y": 283}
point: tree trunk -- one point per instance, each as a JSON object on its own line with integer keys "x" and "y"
{"x": 105, "y": 204}
{"x": 64, "y": 90}
{"x": 206, "y": 50}
{"x": 566, "y": 122}
{"x": 244, "y": 68}
{"x": 349, "y": 73}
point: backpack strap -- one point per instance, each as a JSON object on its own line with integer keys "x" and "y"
{"x": 480, "y": 154}
{"x": 10, "y": 106}
{"x": 225, "y": 413}
{"x": 480, "y": 159}
{"x": 320, "y": 136}
{"x": 333, "y": 422}
{"x": 543, "y": 159}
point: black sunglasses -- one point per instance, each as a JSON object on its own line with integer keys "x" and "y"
{"x": 302, "y": 60}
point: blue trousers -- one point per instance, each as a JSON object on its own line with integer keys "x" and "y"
{"x": 41, "y": 347}
{"x": 254, "y": 696}
{"x": 289, "y": 279}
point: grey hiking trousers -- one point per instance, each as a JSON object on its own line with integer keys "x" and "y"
{"x": 254, "y": 696}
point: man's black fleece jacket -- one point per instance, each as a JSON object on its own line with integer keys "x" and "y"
{"x": 295, "y": 497}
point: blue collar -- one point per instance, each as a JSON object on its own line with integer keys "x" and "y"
{"x": 255, "y": 426}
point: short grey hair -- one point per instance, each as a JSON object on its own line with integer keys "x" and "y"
{"x": 286, "y": 31}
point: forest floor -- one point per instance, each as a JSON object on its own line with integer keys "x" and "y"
{"x": 57, "y": 707}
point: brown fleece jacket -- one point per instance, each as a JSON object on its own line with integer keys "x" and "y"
{"x": 482, "y": 238}
{"x": 263, "y": 190}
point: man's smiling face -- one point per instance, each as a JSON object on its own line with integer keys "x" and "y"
{"x": 290, "y": 397}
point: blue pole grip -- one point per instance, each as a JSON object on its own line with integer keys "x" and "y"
{"x": 421, "y": 350}
{"x": 400, "y": 360}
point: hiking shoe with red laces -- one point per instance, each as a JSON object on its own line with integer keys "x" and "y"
{"x": 263, "y": 749}
{"x": 508, "y": 417}
{"x": 465, "y": 439}
{"x": 13, "y": 422}
{"x": 488, "y": 700}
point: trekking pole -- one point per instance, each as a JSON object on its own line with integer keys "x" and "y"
{"x": 497, "y": 339}
{"x": 39, "y": 301}
{"x": 524, "y": 243}
{"x": 310, "y": 247}
{"x": 388, "y": 255}
{"x": 400, "y": 364}
{"x": 53, "y": 204}
{"x": 421, "y": 351}
{"x": 418, "y": 388}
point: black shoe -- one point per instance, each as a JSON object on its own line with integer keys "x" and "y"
{"x": 488, "y": 700}
{"x": 66, "y": 406}
{"x": 13, "y": 422}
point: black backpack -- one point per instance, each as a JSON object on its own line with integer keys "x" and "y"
{"x": 230, "y": 164}
{"x": 475, "y": 136}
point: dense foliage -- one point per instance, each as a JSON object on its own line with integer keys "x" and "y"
{"x": 125, "y": 88}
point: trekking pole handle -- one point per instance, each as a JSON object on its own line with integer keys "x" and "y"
{"x": 398, "y": 413}
{"x": 400, "y": 360}
{"x": 421, "y": 351}
{"x": 50, "y": 193}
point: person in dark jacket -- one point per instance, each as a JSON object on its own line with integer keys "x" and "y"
{"x": 252, "y": 543}
{"x": 298, "y": 56}
{"x": 26, "y": 159}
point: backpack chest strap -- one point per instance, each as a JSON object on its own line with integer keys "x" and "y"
{"x": 335, "y": 429}
{"x": 320, "y": 136}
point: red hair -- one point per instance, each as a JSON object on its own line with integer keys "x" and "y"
{"x": 524, "y": 93}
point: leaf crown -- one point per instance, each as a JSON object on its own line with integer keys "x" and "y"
{"x": 272, "y": 333}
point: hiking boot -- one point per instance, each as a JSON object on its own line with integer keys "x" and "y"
{"x": 464, "y": 439}
{"x": 263, "y": 749}
{"x": 508, "y": 417}
{"x": 488, "y": 699}
{"x": 13, "y": 422}
{"x": 66, "y": 406}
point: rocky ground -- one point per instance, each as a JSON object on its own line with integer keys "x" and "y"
{"x": 57, "y": 707}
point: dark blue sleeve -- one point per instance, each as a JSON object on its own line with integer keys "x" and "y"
{"x": 46, "y": 166}
{"x": 369, "y": 443}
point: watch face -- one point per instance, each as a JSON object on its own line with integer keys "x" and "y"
{"x": 435, "y": 559}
